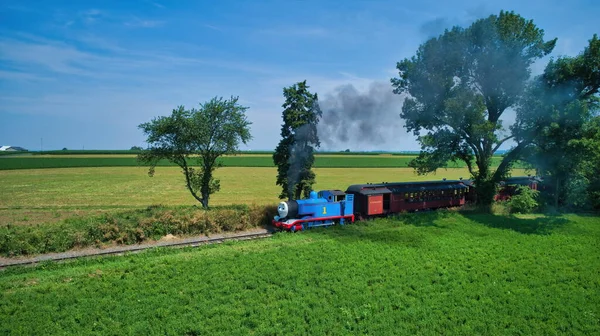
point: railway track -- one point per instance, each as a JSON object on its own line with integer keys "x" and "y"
{"x": 119, "y": 250}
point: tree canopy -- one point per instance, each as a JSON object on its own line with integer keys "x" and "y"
{"x": 557, "y": 108}
{"x": 294, "y": 155}
{"x": 590, "y": 167}
{"x": 200, "y": 135}
{"x": 460, "y": 84}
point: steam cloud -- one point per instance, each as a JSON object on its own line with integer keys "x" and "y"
{"x": 361, "y": 121}
{"x": 350, "y": 119}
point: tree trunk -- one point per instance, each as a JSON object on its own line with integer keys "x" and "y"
{"x": 205, "y": 188}
{"x": 204, "y": 201}
{"x": 485, "y": 185}
{"x": 485, "y": 189}
{"x": 188, "y": 183}
{"x": 556, "y": 192}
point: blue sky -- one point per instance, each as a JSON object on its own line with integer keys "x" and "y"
{"x": 84, "y": 74}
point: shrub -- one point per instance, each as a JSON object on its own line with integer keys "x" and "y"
{"x": 525, "y": 200}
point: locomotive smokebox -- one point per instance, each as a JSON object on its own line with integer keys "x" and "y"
{"x": 287, "y": 209}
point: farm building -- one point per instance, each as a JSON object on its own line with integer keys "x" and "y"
{"x": 12, "y": 149}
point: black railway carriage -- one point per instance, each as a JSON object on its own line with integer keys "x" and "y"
{"x": 508, "y": 187}
{"x": 393, "y": 197}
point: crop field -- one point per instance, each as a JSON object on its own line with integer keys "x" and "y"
{"x": 47, "y": 195}
{"x": 433, "y": 273}
{"x": 245, "y": 160}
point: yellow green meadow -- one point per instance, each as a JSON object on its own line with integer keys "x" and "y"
{"x": 42, "y": 195}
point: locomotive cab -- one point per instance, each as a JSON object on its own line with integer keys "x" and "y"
{"x": 332, "y": 195}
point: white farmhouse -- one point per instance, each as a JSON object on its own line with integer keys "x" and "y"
{"x": 12, "y": 149}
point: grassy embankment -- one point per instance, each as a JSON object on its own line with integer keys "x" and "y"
{"x": 434, "y": 273}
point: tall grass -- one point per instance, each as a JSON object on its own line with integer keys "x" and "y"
{"x": 129, "y": 227}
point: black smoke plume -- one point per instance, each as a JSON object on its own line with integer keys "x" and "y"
{"x": 362, "y": 121}
{"x": 300, "y": 155}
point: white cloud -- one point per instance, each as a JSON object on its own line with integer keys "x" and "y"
{"x": 139, "y": 23}
{"x": 91, "y": 16}
{"x": 209, "y": 26}
{"x": 295, "y": 31}
{"x": 18, "y": 76}
{"x": 156, "y": 4}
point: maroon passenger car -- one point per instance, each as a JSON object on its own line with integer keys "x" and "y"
{"x": 386, "y": 198}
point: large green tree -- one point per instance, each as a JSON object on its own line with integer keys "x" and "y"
{"x": 294, "y": 155}
{"x": 590, "y": 166}
{"x": 200, "y": 135}
{"x": 557, "y": 107}
{"x": 458, "y": 87}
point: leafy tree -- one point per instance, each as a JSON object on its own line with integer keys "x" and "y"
{"x": 294, "y": 155}
{"x": 136, "y": 148}
{"x": 200, "y": 135}
{"x": 560, "y": 102}
{"x": 590, "y": 164}
{"x": 459, "y": 85}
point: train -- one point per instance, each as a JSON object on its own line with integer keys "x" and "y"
{"x": 371, "y": 200}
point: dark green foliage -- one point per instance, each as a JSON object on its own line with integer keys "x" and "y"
{"x": 129, "y": 227}
{"x": 460, "y": 84}
{"x": 215, "y": 129}
{"x": 433, "y": 274}
{"x": 9, "y": 153}
{"x": 559, "y": 104}
{"x": 294, "y": 155}
{"x": 525, "y": 201}
{"x": 589, "y": 168}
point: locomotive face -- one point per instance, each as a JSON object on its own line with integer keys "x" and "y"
{"x": 283, "y": 209}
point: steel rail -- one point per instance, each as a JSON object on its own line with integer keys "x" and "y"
{"x": 189, "y": 242}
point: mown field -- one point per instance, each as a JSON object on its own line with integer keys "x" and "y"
{"x": 45, "y": 195}
{"x": 128, "y": 151}
{"x": 433, "y": 273}
{"x": 245, "y": 160}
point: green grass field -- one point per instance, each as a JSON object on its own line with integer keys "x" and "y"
{"x": 433, "y": 273}
{"x": 246, "y": 160}
{"x": 46, "y": 195}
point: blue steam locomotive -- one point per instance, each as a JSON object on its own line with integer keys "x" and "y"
{"x": 324, "y": 208}
{"x": 363, "y": 201}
